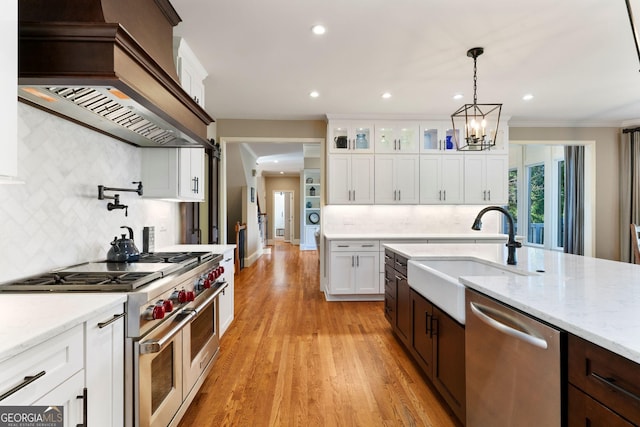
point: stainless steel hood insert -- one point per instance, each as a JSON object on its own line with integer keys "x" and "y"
{"x": 108, "y": 65}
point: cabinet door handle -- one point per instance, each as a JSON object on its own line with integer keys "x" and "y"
{"x": 434, "y": 326}
{"x": 27, "y": 380}
{"x": 611, "y": 382}
{"x": 352, "y": 261}
{"x": 484, "y": 195}
{"x": 343, "y": 246}
{"x": 85, "y": 406}
{"x": 110, "y": 321}
{"x": 440, "y": 195}
{"x": 368, "y": 245}
{"x": 357, "y": 260}
{"x": 394, "y": 195}
{"x": 399, "y": 195}
{"x": 445, "y": 194}
{"x": 426, "y": 323}
{"x": 489, "y": 193}
{"x": 354, "y": 195}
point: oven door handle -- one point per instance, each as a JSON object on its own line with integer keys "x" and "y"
{"x": 155, "y": 346}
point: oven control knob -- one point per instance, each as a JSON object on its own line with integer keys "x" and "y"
{"x": 191, "y": 295}
{"x": 211, "y": 275}
{"x": 182, "y": 296}
{"x": 154, "y": 312}
{"x": 168, "y": 305}
{"x": 221, "y": 268}
{"x": 206, "y": 284}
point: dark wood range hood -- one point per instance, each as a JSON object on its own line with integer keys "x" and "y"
{"x": 108, "y": 65}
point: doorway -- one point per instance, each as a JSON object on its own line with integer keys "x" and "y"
{"x": 283, "y": 208}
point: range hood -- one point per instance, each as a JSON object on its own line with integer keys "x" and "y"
{"x": 108, "y": 65}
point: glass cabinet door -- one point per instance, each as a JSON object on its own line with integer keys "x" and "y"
{"x": 340, "y": 138}
{"x": 430, "y": 139}
{"x": 361, "y": 138}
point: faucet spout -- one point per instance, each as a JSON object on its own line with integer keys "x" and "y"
{"x": 512, "y": 244}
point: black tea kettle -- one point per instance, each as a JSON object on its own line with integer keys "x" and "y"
{"x": 123, "y": 249}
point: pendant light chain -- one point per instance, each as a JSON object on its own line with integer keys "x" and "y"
{"x": 475, "y": 81}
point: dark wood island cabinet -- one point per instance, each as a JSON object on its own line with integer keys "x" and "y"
{"x": 431, "y": 337}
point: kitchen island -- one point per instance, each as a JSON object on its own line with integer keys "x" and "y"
{"x": 592, "y": 302}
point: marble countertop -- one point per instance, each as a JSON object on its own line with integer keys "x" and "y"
{"x": 592, "y": 298}
{"x": 415, "y": 236}
{"x": 28, "y": 319}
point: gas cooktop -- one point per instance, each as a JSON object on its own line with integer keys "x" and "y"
{"x": 109, "y": 276}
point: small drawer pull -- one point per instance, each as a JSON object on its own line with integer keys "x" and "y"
{"x": 611, "y": 382}
{"x": 27, "y": 380}
{"x": 110, "y": 321}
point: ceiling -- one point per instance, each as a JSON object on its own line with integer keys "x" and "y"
{"x": 576, "y": 57}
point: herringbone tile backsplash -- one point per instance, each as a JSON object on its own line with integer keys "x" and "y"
{"x": 55, "y": 219}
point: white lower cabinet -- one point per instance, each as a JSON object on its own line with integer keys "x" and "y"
{"x": 354, "y": 268}
{"x": 104, "y": 367}
{"x": 81, "y": 369}
{"x": 226, "y": 299}
{"x": 310, "y": 236}
{"x": 486, "y": 179}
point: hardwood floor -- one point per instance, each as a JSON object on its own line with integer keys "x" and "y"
{"x": 290, "y": 358}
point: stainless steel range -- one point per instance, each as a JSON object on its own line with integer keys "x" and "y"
{"x": 172, "y": 324}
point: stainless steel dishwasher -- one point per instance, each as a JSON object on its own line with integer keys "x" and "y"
{"x": 513, "y": 367}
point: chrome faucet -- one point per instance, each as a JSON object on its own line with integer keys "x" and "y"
{"x": 511, "y": 243}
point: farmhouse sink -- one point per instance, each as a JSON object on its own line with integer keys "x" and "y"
{"x": 437, "y": 280}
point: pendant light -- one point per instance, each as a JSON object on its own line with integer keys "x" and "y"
{"x": 475, "y": 126}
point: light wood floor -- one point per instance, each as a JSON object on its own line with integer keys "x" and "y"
{"x": 290, "y": 358}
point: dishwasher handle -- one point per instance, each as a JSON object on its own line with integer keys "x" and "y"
{"x": 481, "y": 312}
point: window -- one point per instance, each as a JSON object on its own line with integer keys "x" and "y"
{"x": 560, "y": 212}
{"x": 512, "y": 207}
{"x": 535, "y": 198}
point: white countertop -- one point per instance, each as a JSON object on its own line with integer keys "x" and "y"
{"x": 28, "y": 319}
{"x": 415, "y": 236}
{"x": 592, "y": 298}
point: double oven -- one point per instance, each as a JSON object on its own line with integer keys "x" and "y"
{"x": 172, "y": 337}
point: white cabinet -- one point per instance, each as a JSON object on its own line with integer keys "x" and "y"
{"x": 351, "y": 179}
{"x": 104, "y": 367}
{"x": 350, "y": 136}
{"x": 486, "y": 178}
{"x": 397, "y": 137}
{"x": 310, "y": 237}
{"x": 226, "y": 302}
{"x": 190, "y": 71}
{"x": 173, "y": 173}
{"x": 50, "y": 374}
{"x": 438, "y": 136}
{"x": 8, "y": 85}
{"x": 354, "y": 268}
{"x": 397, "y": 179}
{"x": 441, "y": 179}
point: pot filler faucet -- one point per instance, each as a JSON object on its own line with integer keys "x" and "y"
{"x": 116, "y": 197}
{"x": 511, "y": 244}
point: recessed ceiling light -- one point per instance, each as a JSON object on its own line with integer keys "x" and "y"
{"x": 281, "y": 173}
{"x": 458, "y": 96}
{"x": 314, "y": 94}
{"x": 386, "y": 95}
{"x": 528, "y": 97}
{"x": 318, "y": 29}
{"x": 275, "y": 161}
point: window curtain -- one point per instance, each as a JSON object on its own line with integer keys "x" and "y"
{"x": 629, "y": 189}
{"x": 574, "y": 199}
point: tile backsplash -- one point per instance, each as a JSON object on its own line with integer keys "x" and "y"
{"x": 55, "y": 219}
{"x": 407, "y": 219}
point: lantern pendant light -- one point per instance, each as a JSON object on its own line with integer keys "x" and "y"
{"x": 475, "y": 126}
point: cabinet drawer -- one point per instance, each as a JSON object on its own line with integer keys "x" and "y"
{"x": 389, "y": 258}
{"x": 390, "y": 282}
{"x": 609, "y": 378}
{"x": 50, "y": 363}
{"x": 587, "y": 412}
{"x": 360, "y": 246}
{"x": 400, "y": 264}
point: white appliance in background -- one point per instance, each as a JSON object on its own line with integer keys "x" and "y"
{"x": 513, "y": 367}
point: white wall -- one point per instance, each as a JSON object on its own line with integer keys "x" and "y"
{"x": 55, "y": 219}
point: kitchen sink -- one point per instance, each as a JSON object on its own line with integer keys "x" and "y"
{"x": 437, "y": 280}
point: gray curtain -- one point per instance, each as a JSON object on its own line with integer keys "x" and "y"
{"x": 574, "y": 199}
{"x": 629, "y": 189}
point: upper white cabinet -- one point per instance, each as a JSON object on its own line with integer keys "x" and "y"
{"x": 438, "y": 137}
{"x": 190, "y": 70}
{"x": 441, "y": 179}
{"x": 8, "y": 97}
{"x": 173, "y": 173}
{"x": 397, "y": 137}
{"x": 351, "y": 179}
{"x": 348, "y": 136}
{"x": 397, "y": 179}
{"x": 486, "y": 178}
